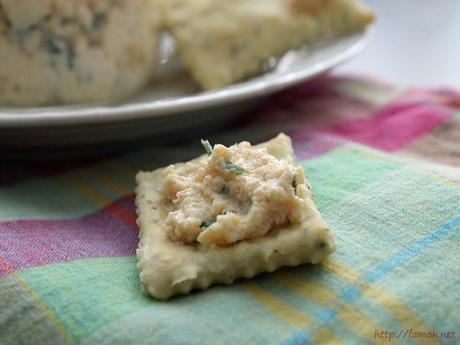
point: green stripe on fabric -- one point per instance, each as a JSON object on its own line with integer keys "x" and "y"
{"x": 42, "y": 199}
{"x": 456, "y": 117}
{"x": 96, "y": 297}
{"x": 372, "y": 223}
{"x": 342, "y": 171}
{"x": 216, "y": 313}
{"x": 21, "y": 320}
{"x": 86, "y": 294}
{"x": 61, "y": 196}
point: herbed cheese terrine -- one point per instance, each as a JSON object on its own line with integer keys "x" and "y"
{"x": 73, "y": 51}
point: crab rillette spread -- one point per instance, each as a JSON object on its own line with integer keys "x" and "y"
{"x": 235, "y": 212}
{"x": 234, "y": 194}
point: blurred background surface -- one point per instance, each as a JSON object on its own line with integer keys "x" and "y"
{"x": 414, "y": 42}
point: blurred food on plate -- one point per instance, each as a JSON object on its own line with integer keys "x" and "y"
{"x": 79, "y": 51}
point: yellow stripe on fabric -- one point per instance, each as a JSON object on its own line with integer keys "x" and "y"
{"x": 279, "y": 309}
{"x": 92, "y": 195}
{"x": 379, "y": 296}
{"x": 324, "y": 336}
{"x": 122, "y": 169}
{"x": 44, "y": 308}
{"x": 108, "y": 182}
{"x": 354, "y": 319}
{"x": 369, "y": 91}
{"x": 284, "y": 312}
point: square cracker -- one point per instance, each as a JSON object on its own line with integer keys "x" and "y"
{"x": 221, "y": 42}
{"x": 167, "y": 268}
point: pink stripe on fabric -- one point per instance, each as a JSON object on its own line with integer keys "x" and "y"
{"x": 310, "y": 144}
{"x": 32, "y": 243}
{"x": 393, "y": 127}
{"x": 444, "y": 97}
{"x": 5, "y": 267}
{"x": 317, "y": 106}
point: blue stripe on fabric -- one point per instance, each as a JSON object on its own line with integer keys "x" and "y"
{"x": 351, "y": 293}
{"x": 413, "y": 250}
{"x": 326, "y": 316}
{"x": 299, "y": 338}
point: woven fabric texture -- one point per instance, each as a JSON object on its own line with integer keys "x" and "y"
{"x": 384, "y": 164}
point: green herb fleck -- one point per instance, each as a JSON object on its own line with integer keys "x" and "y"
{"x": 207, "y": 223}
{"x": 98, "y": 19}
{"x": 322, "y": 245}
{"x": 67, "y": 20}
{"x": 207, "y": 146}
{"x": 233, "y": 168}
{"x": 247, "y": 206}
{"x": 21, "y": 34}
{"x": 235, "y": 50}
{"x": 52, "y": 45}
{"x": 224, "y": 189}
{"x": 294, "y": 184}
{"x": 70, "y": 56}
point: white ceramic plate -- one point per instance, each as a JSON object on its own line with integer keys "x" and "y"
{"x": 173, "y": 102}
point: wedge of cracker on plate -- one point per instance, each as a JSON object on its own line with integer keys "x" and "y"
{"x": 235, "y": 212}
{"x": 221, "y": 42}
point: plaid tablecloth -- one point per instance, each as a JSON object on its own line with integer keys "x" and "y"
{"x": 384, "y": 165}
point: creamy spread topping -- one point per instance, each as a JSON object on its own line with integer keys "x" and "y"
{"x": 235, "y": 193}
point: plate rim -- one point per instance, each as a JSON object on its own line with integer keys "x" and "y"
{"x": 76, "y": 115}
